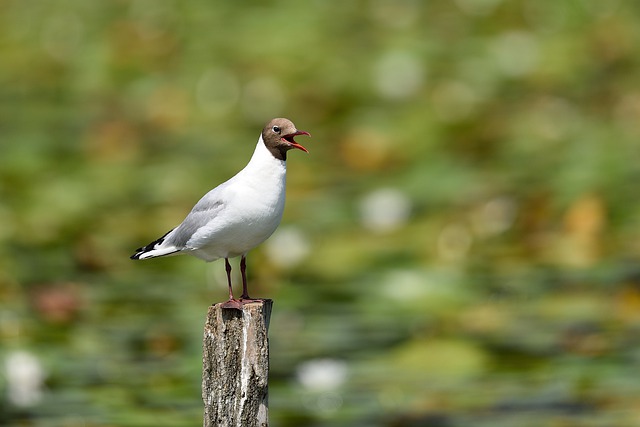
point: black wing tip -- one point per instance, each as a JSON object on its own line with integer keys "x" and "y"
{"x": 140, "y": 251}
{"x": 151, "y": 246}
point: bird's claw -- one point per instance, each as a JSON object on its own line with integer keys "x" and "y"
{"x": 239, "y": 303}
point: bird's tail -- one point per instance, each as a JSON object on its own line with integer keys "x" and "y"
{"x": 156, "y": 249}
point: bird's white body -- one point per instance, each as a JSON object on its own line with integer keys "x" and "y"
{"x": 238, "y": 214}
{"x": 234, "y": 217}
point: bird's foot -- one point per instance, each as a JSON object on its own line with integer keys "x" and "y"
{"x": 246, "y": 299}
{"x": 238, "y": 303}
{"x": 233, "y": 303}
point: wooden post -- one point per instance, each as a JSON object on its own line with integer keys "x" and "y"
{"x": 235, "y": 363}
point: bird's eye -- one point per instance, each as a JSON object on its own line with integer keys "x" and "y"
{"x": 276, "y": 129}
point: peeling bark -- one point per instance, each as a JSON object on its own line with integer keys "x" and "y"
{"x": 236, "y": 365}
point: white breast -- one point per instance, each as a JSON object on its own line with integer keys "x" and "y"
{"x": 253, "y": 206}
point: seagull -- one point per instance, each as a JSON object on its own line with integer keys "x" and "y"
{"x": 238, "y": 214}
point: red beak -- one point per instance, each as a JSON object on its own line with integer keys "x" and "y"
{"x": 290, "y": 139}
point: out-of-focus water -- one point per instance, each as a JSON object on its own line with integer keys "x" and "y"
{"x": 459, "y": 247}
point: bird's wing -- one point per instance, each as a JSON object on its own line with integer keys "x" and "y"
{"x": 207, "y": 209}
{"x": 155, "y": 249}
{"x": 175, "y": 241}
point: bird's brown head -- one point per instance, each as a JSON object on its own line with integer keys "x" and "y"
{"x": 278, "y": 136}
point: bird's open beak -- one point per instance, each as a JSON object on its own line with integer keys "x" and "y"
{"x": 291, "y": 141}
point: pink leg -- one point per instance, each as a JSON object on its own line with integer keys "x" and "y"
{"x": 245, "y": 298}
{"x": 232, "y": 303}
{"x": 228, "y": 268}
{"x": 243, "y": 271}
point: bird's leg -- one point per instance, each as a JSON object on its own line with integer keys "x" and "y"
{"x": 232, "y": 303}
{"x": 228, "y": 268}
{"x": 243, "y": 271}
{"x": 245, "y": 298}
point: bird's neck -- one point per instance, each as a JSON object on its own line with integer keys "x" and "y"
{"x": 264, "y": 164}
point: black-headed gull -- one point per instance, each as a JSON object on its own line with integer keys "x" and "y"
{"x": 238, "y": 214}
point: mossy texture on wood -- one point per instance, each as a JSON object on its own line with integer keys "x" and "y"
{"x": 236, "y": 365}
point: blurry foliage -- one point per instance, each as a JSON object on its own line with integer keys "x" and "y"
{"x": 461, "y": 244}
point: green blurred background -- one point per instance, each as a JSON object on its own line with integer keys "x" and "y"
{"x": 459, "y": 248}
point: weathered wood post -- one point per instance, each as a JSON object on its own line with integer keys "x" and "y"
{"x": 235, "y": 361}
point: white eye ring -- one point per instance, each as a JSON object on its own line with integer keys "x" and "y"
{"x": 276, "y": 129}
